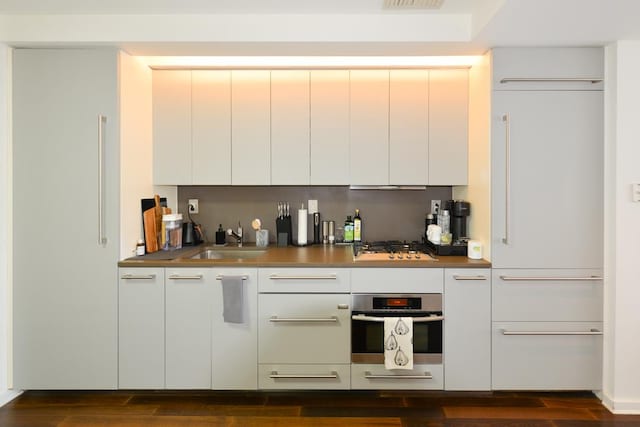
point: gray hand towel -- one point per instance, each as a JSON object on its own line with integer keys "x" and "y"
{"x": 232, "y": 298}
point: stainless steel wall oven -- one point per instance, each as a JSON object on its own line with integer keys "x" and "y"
{"x": 367, "y": 325}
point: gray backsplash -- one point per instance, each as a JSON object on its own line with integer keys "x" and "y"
{"x": 386, "y": 214}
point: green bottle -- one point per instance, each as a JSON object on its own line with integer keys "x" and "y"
{"x": 357, "y": 227}
{"x": 348, "y": 230}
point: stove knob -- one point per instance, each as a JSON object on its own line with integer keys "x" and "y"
{"x": 391, "y": 256}
{"x": 408, "y": 256}
{"x": 417, "y": 256}
{"x": 399, "y": 256}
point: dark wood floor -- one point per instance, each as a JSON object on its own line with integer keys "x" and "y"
{"x": 352, "y": 408}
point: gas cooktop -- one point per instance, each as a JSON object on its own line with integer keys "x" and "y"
{"x": 392, "y": 250}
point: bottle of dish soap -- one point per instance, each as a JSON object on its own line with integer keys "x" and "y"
{"x": 221, "y": 236}
{"x": 348, "y": 230}
{"x": 357, "y": 227}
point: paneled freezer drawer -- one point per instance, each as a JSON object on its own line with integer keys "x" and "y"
{"x": 547, "y": 356}
{"x": 421, "y": 377}
{"x": 289, "y": 376}
{"x": 547, "y": 295}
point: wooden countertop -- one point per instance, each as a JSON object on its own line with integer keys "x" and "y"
{"x": 310, "y": 256}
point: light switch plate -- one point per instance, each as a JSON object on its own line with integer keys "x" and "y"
{"x": 313, "y": 206}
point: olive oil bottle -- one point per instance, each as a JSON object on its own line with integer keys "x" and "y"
{"x": 357, "y": 227}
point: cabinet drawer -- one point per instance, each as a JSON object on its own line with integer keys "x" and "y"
{"x": 547, "y": 295}
{"x": 547, "y": 355}
{"x": 301, "y": 280}
{"x": 421, "y": 377}
{"x": 304, "y": 329}
{"x": 290, "y": 376}
{"x": 397, "y": 280}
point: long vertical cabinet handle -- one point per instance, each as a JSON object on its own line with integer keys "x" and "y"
{"x": 507, "y": 186}
{"x": 102, "y": 239}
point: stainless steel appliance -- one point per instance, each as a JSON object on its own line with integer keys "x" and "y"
{"x": 367, "y": 325}
{"x": 393, "y": 250}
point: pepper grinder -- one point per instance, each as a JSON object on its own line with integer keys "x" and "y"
{"x": 316, "y": 228}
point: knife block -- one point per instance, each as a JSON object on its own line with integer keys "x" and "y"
{"x": 284, "y": 234}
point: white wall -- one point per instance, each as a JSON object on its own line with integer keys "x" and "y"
{"x": 478, "y": 193}
{"x": 136, "y": 151}
{"x": 621, "y": 382}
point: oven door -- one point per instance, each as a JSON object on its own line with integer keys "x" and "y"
{"x": 367, "y": 335}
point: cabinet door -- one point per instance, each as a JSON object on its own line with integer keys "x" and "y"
{"x": 295, "y": 328}
{"x": 547, "y": 356}
{"x": 65, "y": 295}
{"x": 467, "y": 329}
{"x": 189, "y": 298}
{"x": 172, "y": 127}
{"x": 141, "y": 328}
{"x": 409, "y": 127}
{"x": 235, "y": 346}
{"x": 369, "y": 131}
{"x": 211, "y": 127}
{"x": 329, "y": 100}
{"x": 448, "y": 126}
{"x": 250, "y": 127}
{"x": 290, "y": 127}
{"x": 547, "y": 209}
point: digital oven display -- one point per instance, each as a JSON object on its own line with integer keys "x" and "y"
{"x": 381, "y": 303}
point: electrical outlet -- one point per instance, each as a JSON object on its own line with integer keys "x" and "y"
{"x": 435, "y": 206}
{"x": 313, "y": 206}
{"x": 193, "y": 206}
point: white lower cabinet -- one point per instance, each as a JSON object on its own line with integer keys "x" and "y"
{"x": 189, "y": 298}
{"x": 234, "y": 346}
{"x": 141, "y": 328}
{"x": 467, "y": 329}
{"x": 547, "y": 355}
{"x": 304, "y": 376}
{"x": 421, "y": 377}
{"x": 547, "y": 329}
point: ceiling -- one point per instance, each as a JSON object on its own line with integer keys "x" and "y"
{"x": 316, "y": 27}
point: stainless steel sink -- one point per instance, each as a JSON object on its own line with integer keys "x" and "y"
{"x": 229, "y": 253}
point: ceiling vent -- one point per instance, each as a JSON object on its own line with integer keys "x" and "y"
{"x": 412, "y": 4}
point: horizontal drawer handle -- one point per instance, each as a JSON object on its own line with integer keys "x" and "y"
{"x": 427, "y": 376}
{"x": 276, "y": 375}
{"x": 179, "y": 277}
{"x": 456, "y": 277}
{"x": 276, "y": 319}
{"x": 552, "y": 79}
{"x": 549, "y": 279}
{"x": 138, "y": 277}
{"x": 220, "y": 277}
{"x": 423, "y": 319}
{"x": 325, "y": 277}
{"x": 589, "y": 332}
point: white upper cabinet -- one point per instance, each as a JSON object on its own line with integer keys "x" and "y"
{"x": 408, "y": 127}
{"x": 172, "y": 127}
{"x": 369, "y": 130}
{"x": 329, "y": 105}
{"x": 290, "y": 127}
{"x": 250, "y": 127}
{"x": 448, "y": 126}
{"x": 211, "y": 127}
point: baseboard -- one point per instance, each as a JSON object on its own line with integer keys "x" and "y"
{"x": 623, "y": 407}
{"x": 8, "y": 395}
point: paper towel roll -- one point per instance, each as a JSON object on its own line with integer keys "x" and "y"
{"x": 474, "y": 249}
{"x": 302, "y": 226}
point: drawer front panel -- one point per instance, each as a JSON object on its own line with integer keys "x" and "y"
{"x": 313, "y": 377}
{"x": 547, "y": 356}
{"x": 547, "y": 295}
{"x": 304, "y": 329}
{"x": 397, "y": 280}
{"x": 421, "y": 377}
{"x": 304, "y": 280}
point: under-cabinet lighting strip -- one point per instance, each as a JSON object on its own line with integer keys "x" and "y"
{"x": 351, "y": 62}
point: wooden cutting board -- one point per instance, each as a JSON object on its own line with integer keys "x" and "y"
{"x": 150, "y": 230}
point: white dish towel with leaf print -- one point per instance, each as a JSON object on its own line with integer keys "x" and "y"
{"x": 398, "y": 343}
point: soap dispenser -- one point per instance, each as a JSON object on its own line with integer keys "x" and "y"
{"x": 220, "y": 236}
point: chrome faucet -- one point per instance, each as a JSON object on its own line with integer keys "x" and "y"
{"x": 236, "y": 235}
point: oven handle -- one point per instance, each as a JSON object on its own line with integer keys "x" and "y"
{"x": 381, "y": 319}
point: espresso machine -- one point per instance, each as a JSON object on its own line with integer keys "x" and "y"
{"x": 459, "y": 211}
